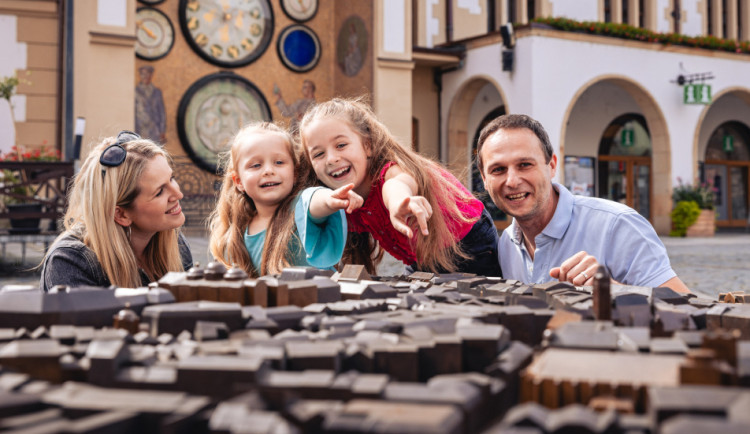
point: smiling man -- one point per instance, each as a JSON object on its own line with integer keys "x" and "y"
{"x": 554, "y": 234}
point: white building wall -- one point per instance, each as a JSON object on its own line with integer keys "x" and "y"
{"x": 581, "y": 10}
{"x": 663, "y": 19}
{"x": 692, "y": 17}
{"x": 12, "y": 57}
{"x": 549, "y": 72}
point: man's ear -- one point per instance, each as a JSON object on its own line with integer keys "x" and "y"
{"x": 121, "y": 217}
{"x": 553, "y": 165}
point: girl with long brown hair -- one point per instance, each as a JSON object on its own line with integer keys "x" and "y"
{"x": 414, "y": 208}
{"x": 265, "y": 219}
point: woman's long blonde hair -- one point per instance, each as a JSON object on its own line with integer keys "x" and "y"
{"x": 235, "y": 210}
{"x": 97, "y": 190}
{"x": 440, "y": 249}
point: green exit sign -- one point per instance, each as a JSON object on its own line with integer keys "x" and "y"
{"x": 728, "y": 143}
{"x": 696, "y": 94}
{"x": 627, "y": 137}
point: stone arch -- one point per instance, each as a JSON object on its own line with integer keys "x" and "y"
{"x": 661, "y": 192}
{"x": 699, "y": 148}
{"x": 457, "y": 155}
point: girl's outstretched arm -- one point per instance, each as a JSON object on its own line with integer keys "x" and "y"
{"x": 399, "y": 197}
{"x": 325, "y": 201}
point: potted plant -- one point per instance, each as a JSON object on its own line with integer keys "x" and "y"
{"x": 16, "y": 191}
{"x": 8, "y": 86}
{"x": 693, "y": 214}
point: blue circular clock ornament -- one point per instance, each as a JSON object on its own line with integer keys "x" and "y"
{"x": 299, "y": 48}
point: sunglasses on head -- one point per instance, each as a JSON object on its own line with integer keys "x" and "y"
{"x": 115, "y": 153}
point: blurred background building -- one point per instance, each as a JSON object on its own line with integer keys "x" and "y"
{"x": 637, "y": 95}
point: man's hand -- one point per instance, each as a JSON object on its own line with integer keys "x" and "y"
{"x": 417, "y": 207}
{"x": 344, "y": 198}
{"x": 579, "y": 269}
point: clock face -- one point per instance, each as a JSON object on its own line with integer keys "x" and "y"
{"x": 300, "y": 10}
{"x": 299, "y": 48}
{"x": 227, "y": 33}
{"x": 211, "y": 112}
{"x": 154, "y": 34}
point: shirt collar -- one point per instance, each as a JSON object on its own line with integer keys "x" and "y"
{"x": 560, "y": 220}
{"x": 563, "y": 213}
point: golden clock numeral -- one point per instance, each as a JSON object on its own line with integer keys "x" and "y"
{"x": 255, "y": 13}
{"x": 224, "y": 33}
{"x": 255, "y": 30}
{"x": 201, "y": 39}
{"x": 193, "y": 6}
{"x": 193, "y": 23}
{"x": 216, "y": 50}
{"x": 233, "y": 52}
{"x": 247, "y": 44}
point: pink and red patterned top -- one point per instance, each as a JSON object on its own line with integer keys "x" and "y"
{"x": 373, "y": 217}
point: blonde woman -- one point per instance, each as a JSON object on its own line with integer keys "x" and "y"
{"x": 123, "y": 219}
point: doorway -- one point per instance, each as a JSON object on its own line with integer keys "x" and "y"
{"x": 625, "y": 163}
{"x": 726, "y": 169}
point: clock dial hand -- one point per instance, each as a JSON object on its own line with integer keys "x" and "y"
{"x": 140, "y": 26}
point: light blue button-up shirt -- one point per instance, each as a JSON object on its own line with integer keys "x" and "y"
{"x": 615, "y": 234}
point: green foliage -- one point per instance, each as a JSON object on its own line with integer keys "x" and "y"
{"x": 7, "y": 177}
{"x": 8, "y": 85}
{"x": 626, "y": 31}
{"x": 684, "y": 214}
{"x": 700, "y": 193}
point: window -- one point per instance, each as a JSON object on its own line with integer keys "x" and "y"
{"x": 530, "y": 9}
{"x": 724, "y": 19}
{"x": 607, "y": 11}
{"x": 709, "y": 17}
{"x": 624, "y": 10}
{"x": 642, "y": 13}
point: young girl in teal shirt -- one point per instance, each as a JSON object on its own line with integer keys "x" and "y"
{"x": 264, "y": 220}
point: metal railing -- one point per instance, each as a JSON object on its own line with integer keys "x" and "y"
{"x": 44, "y": 183}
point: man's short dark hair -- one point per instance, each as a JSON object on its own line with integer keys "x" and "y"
{"x": 513, "y": 122}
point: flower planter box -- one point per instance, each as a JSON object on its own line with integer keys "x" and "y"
{"x": 705, "y": 226}
{"x": 19, "y": 222}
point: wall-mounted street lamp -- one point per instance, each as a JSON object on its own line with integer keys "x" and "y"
{"x": 509, "y": 42}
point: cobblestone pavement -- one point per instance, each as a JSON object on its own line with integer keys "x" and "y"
{"x": 706, "y": 265}
{"x": 712, "y": 265}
